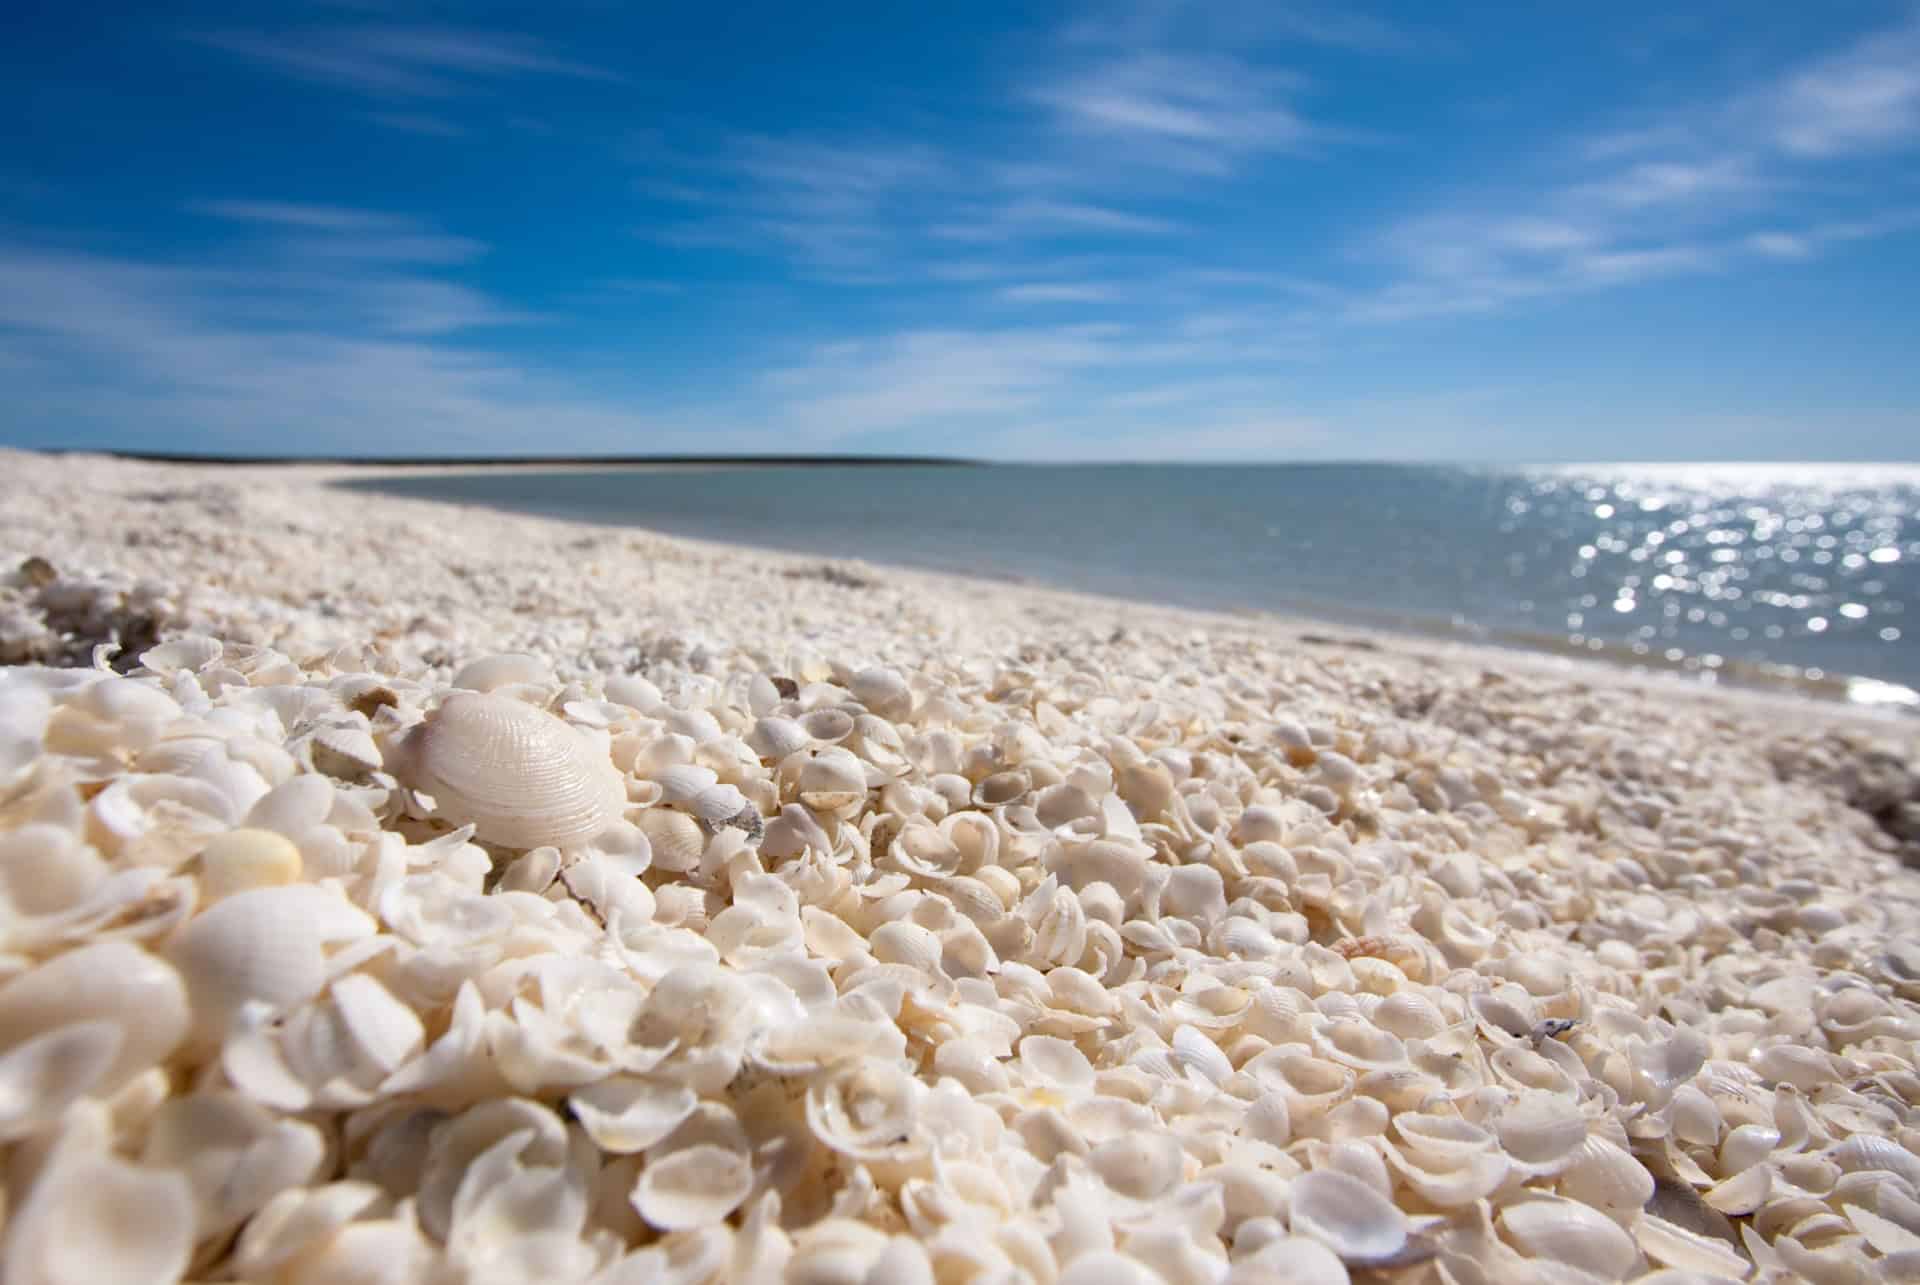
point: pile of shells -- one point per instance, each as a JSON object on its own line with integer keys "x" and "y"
{"x": 317, "y": 970}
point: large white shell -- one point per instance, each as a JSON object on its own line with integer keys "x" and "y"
{"x": 521, "y": 777}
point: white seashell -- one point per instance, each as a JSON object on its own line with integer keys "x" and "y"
{"x": 1684, "y": 1250}
{"x": 1746, "y": 1146}
{"x": 1002, "y": 789}
{"x": 386, "y": 1032}
{"x": 345, "y": 752}
{"x": 866, "y": 1110}
{"x": 42, "y": 1076}
{"x": 296, "y": 1222}
{"x": 1139, "y": 1165}
{"x": 247, "y": 858}
{"x": 1449, "y": 1181}
{"x": 1865, "y": 1151}
{"x": 1541, "y": 1132}
{"x": 265, "y": 945}
{"x": 294, "y": 808}
{"x": 833, "y": 782}
{"x": 691, "y": 1188}
{"x": 1607, "y": 1177}
{"x": 1570, "y": 1233}
{"x": 1289, "y": 1260}
{"x": 507, "y": 669}
{"x": 1409, "y": 1015}
{"x": 518, "y": 775}
{"x": 626, "y": 1114}
{"x": 884, "y": 692}
{"x": 97, "y": 1218}
{"x": 140, "y": 995}
{"x": 190, "y": 653}
{"x": 1743, "y": 1193}
{"x": 236, "y": 1155}
{"x": 774, "y": 738}
{"x": 1347, "y": 1216}
{"x": 675, "y": 839}
{"x": 827, "y": 726}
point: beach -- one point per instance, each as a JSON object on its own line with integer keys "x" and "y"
{"x": 937, "y": 928}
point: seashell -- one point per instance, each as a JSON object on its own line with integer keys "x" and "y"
{"x": 905, "y": 943}
{"x": 1002, "y": 789}
{"x": 518, "y": 775}
{"x": 695, "y": 1187}
{"x": 508, "y": 669}
{"x": 675, "y": 839}
{"x": 1347, "y": 1216}
{"x": 1138, "y": 1165}
{"x": 1409, "y": 1015}
{"x": 1449, "y": 1181}
{"x": 1541, "y": 1133}
{"x": 265, "y": 945}
{"x": 136, "y": 993}
{"x": 625, "y": 1114}
{"x": 295, "y": 1222}
{"x": 295, "y": 807}
{"x": 1684, "y": 1250}
{"x": 235, "y": 1155}
{"x": 243, "y": 859}
{"x": 189, "y": 653}
{"x": 834, "y": 783}
{"x": 1358, "y": 1044}
{"x": 774, "y": 739}
{"x": 1865, "y": 1151}
{"x": 1608, "y": 1178}
{"x": 43, "y": 1075}
{"x": 827, "y": 726}
{"x": 866, "y": 1110}
{"x": 883, "y": 692}
{"x": 1747, "y": 1145}
{"x": 1565, "y": 1232}
{"x": 1884, "y": 1234}
{"x": 98, "y": 1218}
{"x": 1447, "y": 1137}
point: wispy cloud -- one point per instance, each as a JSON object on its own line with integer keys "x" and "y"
{"x": 334, "y": 232}
{"x": 179, "y": 356}
{"x": 398, "y": 62}
{"x": 1680, "y": 196}
{"x": 1862, "y": 99}
{"x": 1056, "y": 292}
{"x": 1197, "y": 112}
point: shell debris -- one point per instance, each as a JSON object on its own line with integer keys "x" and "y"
{"x": 903, "y": 936}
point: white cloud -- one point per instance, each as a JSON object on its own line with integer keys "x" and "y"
{"x": 1862, "y": 99}
{"x": 175, "y": 356}
{"x": 1779, "y": 245}
{"x": 1055, "y": 292}
{"x": 336, "y": 232}
{"x": 398, "y": 62}
{"x": 1198, "y": 112}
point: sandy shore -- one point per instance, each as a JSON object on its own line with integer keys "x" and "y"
{"x": 1400, "y": 888}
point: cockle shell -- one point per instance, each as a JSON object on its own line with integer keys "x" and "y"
{"x": 521, "y": 777}
{"x": 1347, "y": 1216}
{"x": 98, "y": 1218}
{"x": 1570, "y": 1233}
{"x": 676, "y": 839}
{"x": 693, "y": 1187}
{"x": 247, "y": 858}
{"x": 263, "y": 945}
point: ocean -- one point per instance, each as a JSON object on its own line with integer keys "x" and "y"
{"x": 1809, "y": 572}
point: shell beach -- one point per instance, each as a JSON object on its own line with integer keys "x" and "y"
{"x": 398, "y": 892}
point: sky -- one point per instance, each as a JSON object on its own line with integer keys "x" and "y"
{"x": 1125, "y": 230}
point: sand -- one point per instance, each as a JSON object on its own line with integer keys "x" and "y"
{"x": 1572, "y": 838}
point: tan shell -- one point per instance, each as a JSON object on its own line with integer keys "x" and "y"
{"x": 518, "y": 775}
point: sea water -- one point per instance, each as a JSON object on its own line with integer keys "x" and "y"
{"x": 1717, "y": 569}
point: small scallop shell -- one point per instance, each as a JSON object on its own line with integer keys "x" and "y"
{"x": 1676, "y": 1247}
{"x": 1409, "y": 1014}
{"x": 1608, "y": 1178}
{"x": 675, "y": 838}
{"x": 518, "y": 775}
{"x": 773, "y": 738}
{"x": 189, "y": 653}
{"x": 1138, "y": 1165}
{"x": 1002, "y": 788}
{"x": 43, "y": 1076}
{"x": 695, "y": 1187}
{"x": 247, "y": 858}
{"x": 1347, "y": 1216}
{"x": 866, "y": 1110}
{"x": 1570, "y": 1233}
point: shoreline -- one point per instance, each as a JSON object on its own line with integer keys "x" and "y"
{"x": 517, "y": 796}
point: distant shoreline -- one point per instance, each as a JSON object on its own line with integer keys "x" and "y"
{"x": 543, "y": 461}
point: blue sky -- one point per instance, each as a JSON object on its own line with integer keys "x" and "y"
{"x": 1147, "y": 230}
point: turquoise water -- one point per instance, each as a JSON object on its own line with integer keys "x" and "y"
{"x": 1710, "y": 567}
